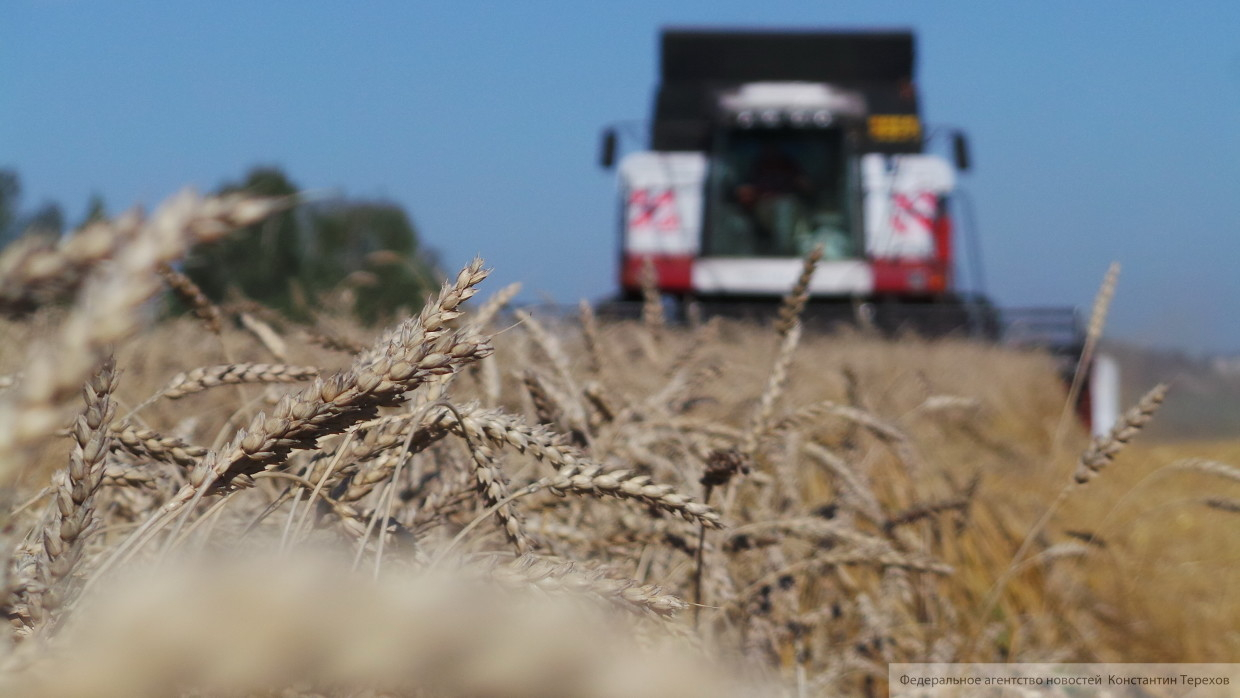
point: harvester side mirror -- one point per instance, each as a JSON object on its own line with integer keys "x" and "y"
{"x": 960, "y": 147}
{"x": 607, "y": 155}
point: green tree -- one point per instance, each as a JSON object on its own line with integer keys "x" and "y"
{"x": 96, "y": 210}
{"x": 372, "y": 247}
{"x": 297, "y": 260}
{"x": 10, "y": 204}
{"x": 261, "y": 261}
{"x": 47, "y": 220}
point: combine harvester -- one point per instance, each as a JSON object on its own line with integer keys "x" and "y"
{"x": 767, "y": 144}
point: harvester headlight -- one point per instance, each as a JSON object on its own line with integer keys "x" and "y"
{"x": 822, "y": 117}
{"x": 770, "y": 117}
{"x": 745, "y": 119}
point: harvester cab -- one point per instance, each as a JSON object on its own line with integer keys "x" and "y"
{"x": 765, "y": 145}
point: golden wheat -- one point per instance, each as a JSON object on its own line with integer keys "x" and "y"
{"x": 441, "y": 512}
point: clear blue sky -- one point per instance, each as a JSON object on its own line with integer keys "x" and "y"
{"x": 1101, "y": 130}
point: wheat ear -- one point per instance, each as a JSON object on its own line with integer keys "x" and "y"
{"x": 794, "y": 303}
{"x": 191, "y": 293}
{"x": 202, "y": 378}
{"x": 71, "y": 517}
{"x": 145, "y": 443}
{"x": 492, "y": 486}
{"x": 625, "y": 484}
{"x": 419, "y": 349}
{"x": 1104, "y": 449}
{"x": 545, "y": 408}
{"x": 1097, "y": 320}
{"x": 35, "y": 269}
{"x": 406, "y": 357}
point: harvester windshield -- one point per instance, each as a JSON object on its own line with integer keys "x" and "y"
{"x": 778, "y": 192}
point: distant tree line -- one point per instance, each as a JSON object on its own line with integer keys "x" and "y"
{"x": 358, "y": 256}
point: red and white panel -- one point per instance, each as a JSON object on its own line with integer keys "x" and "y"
{"x": 662, "y": 196}
{"x": 902, "y": 195}
{"x": 907, "y": 232}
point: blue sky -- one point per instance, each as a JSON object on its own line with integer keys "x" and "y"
{"x": 1101, "y": 130}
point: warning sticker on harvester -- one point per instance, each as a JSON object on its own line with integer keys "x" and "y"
{"x": 653, "y": 210}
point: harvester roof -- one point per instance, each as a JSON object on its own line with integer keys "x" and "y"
{"x": 699, "y": 65}
{"x": 698, "y": 55}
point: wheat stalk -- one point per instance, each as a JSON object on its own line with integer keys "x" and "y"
{"x": 552, "y": 348}
{"x": 267, "y": 335}
{"x": 590, "y": 337}
{"x": 760, "y": 423}
{"x": 652, "y": 302}
{"x": 497, "y": 302}
{"x": 1210, "y": 467}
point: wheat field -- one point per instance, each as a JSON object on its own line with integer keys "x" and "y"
{"x": 482, "y": 501}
